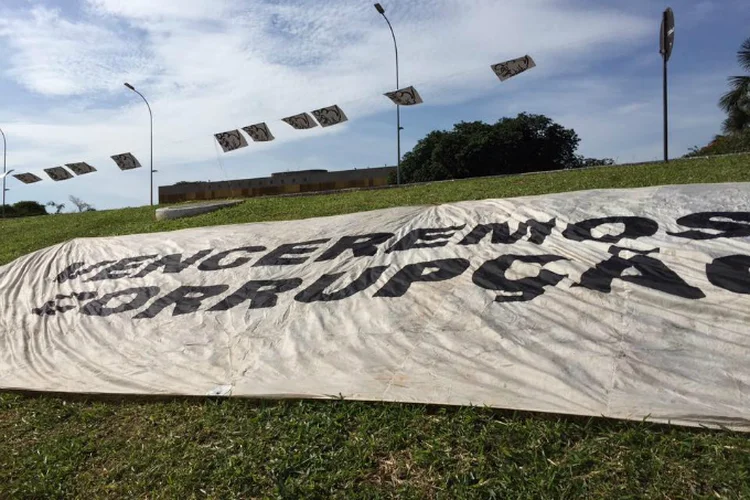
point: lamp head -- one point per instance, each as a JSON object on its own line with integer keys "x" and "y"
{"x": 379, "y": 8}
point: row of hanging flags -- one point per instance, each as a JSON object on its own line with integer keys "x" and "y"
{"x": 125, "y": 161}
{"x": 326, "y": 117}
{"x": 259, "y": 132}
{"x": 333, "y": 115}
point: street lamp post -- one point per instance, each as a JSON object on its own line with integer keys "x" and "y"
{"x": 666, "y": 43}
{"x": 381, "y": 10}
{"x": 151, "y": 116}
{"x": 5, "y": 165}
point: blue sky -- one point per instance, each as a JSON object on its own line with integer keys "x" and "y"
{"x": 212, "y": 65}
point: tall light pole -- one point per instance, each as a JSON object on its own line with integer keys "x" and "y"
{"x": 151, "y": 115}
{"x": 5, "y": 166}
{"x": 666, "y": 43}
{"x": 381, "y": 10}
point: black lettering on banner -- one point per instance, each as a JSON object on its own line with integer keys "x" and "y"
{"x": 316, "y": 291}
{"x": 121, "y": 268}
{"x": 361, "y": 245}
{"x": 69, "y": 273}
{"x": 654, "y": 275}
{"x": 437, "y": 270}
{"x": 739, "y": 228}
{"x": 635, "y": 227}
{"x": 48, "y": 309}
{"x": 730, "y": 273}
{"x": 260, "y": 293}
{"x": 172, "y": 263}
{"x": 213, "y": 263}
{"x": 501, "y": 232}
{"x": 433, "y": 234}
{"x": 72, "y": 271}
{"x": 278, "y": 256}
{"x": 186, "y": 299}
{"x": 139, "y": 298}
{"x": 491, "y": 276}
{"x": 52, "y": 307}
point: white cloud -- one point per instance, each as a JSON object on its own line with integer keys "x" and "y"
{"x": 150, "y": 10}
{"x": 212, "y": 65}
{"x": 55, "y": 56}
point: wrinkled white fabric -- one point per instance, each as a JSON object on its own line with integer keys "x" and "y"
{"x": 633, "y": 352}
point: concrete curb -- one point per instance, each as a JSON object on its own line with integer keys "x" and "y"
{"x": 415, "y": 184}
{"x": 180, "y": 211}
{"x": 499, "y": 176}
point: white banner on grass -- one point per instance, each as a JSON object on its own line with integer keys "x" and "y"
{"x": 625, "y": 303}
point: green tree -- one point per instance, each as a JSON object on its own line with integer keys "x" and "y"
{"x": 525, "y": 143}
{"x": 736, "y": 102}
{"x": 9, "y": 211}
{"x": 81, "y": 205}
{"x": 738, "y": 142}
{"x": 59, "y": 207}
{"x": 28, "y": 209}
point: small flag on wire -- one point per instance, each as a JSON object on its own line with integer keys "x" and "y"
{"x": 331, "y": 115}
{"x": 301, "y": 121}
{"x": 58, "y": 174}
{"x": 80, "y": 168}
{"x": 405, "y": 97}
{"x": 27, "y": 178}
{"x": 126, "y": 161}
{"x": 231, "y": 140}
{"x": 259, "y": 132}
{"x": 509, "y": 69}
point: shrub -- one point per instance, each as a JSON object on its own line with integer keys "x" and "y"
{"x": 724, "y": 144}
{"x": 28, "y": 209}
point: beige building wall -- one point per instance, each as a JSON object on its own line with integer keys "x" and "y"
{"x": 305, "y": 181}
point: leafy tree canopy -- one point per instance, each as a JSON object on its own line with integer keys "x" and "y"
{"x": 736, "y": 102}
{"x": 738, "y": 142}
{"x": 25, "y": 209}
{"x": 526, "y": 143}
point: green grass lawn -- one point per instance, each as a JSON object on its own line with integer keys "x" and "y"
{"x": 55, "y": 447}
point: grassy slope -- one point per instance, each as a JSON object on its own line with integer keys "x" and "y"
{"x": 56, "y": 447}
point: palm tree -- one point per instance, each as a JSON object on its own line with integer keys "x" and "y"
{"x": 736, "y": 102}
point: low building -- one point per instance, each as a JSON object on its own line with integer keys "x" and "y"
{"x": 301, "y": 181}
